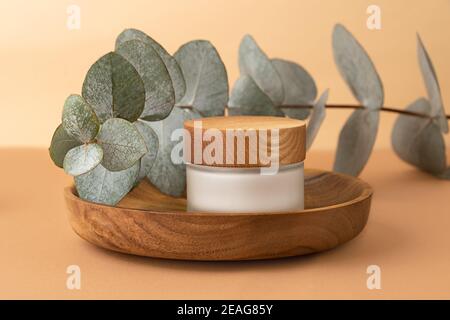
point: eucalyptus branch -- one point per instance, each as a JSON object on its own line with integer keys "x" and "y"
{"x": 347, "y": 106}
{"x": 102, "y": 138}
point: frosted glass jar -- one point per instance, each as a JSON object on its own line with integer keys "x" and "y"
{"x": 232, "y": 179}
{"x": 244, "y": 189}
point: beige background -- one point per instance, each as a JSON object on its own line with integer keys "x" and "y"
{"x": 42, "y": 61}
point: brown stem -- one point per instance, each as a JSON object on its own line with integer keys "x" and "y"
{"x": 347, "y": 106}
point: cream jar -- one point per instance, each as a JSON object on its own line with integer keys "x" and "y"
{"x": 245, "y": 164}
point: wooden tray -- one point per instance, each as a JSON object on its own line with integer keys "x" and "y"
{"x": 148, "y": 223}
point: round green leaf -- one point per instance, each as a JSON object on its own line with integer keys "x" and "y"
{"x": 114, "y": 88}
{"x": 419, "y": 141}
{"x": 357, "y": 69}
{"x": 205, "y": 76}
{"x": 159, "y": 93}
{"x": 248, "y": 99}
{"x": 122, "y": 144}
{"x": 60, "y": 145}
{"x": 432, "y": 85}
{"x": 106, "y": 187}
{"x": 298, "y": 86}
{"x": 171, "y": 64}
{"x": 79, "y": 120}
{"x": 169, "y": 177}
{"x": 317, "y": 117}
{"x": 82, "y": 159}
{"x": 356, "y": 142}
{"x": 255, "y": 63}
{"x": 151, "y": 141}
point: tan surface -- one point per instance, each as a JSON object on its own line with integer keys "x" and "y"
{"x": 43, "y": 61}
{"x": 219, "y": 149}
{"x": 407, "y": 236}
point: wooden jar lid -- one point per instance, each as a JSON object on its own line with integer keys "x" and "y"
{"x": 244, "y": 141}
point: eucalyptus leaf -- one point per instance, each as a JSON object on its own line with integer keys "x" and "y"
{"x": 248, "y": 99}
{"x": 79, "y": 120}
{"x": 357, "y": 69}
{"x": 356, "y": 142}
{"x": 317, "y": 117}
{"x": 445, "y": 175}
{"x": 298, "y": 86}
{"x": 106, "y": 187}
{"x": 167, "y": 176}
{"x": 431, "y": 147}
{"x": 114, "y": 88}
{"x": 171, "y": 64}
{"x": 122, "y": 144}
{"x": 255, "y": 63}
{"x": 191, "y": 113}
{"x": 419, "y": 141}
{"x": 60, "y": 145}
{"x": 82, "y": 159}
{"x": 205, "y": 76}
{"x": 151, "y": 141}
{"x": 159, "y": 92}
{"x": 432, "y": 85}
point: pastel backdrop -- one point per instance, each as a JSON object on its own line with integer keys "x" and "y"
{"x": 43, "y": 61}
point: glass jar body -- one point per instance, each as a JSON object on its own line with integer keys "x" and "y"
{"x": 233, "y": 190}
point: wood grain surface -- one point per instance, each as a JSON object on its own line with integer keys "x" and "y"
{"x": 148, "y": 223}
{"x": 291, "y": 140}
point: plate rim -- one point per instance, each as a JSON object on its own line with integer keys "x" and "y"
{"x": 367, "y": 192}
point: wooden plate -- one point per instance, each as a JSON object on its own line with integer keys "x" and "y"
{"x": 148, "y": 223}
